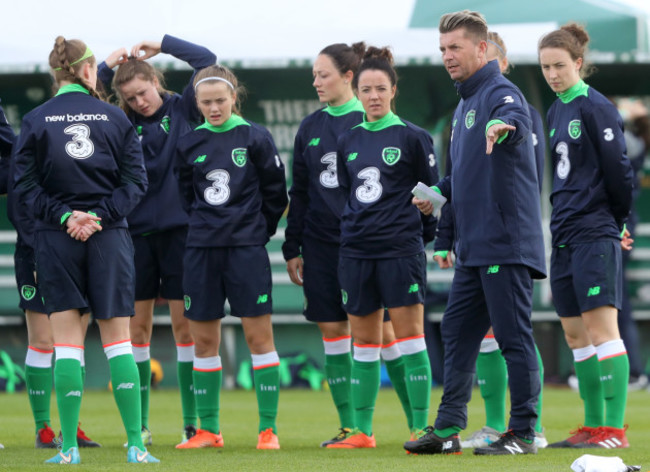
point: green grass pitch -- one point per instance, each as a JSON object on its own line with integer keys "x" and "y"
{"x": 305, "y": 419}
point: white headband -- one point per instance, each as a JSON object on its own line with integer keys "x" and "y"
{"x": 214, "y": 78}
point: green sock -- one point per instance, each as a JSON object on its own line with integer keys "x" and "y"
{"x": 126, "y": 390}
{"x": 492, "y": 376}
{"x": 144, "y": 371}
{"x": 540, "y": 401}
{"x": 365, "y": 387}
{"x": 591, "y": 390}
{"x": 83, "y": 374}
{"x": 397, "y": 374}
{"x": 418, "y": 383}
{"x": 38, "y": 381}
{"x": 338, "y": 369}
{"x": 69, "y": 388}
{"x": 446, "y": 432}
{"x": 185, "y": 374}
{"x": 615, "y": 375}
{"x": 267, "y": 389}
{"x": 207, "y": 389}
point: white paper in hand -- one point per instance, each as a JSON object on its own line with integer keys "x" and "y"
{"x": 424, "y": 192}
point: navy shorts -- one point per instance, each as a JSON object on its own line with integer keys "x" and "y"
{"x": 96, "y": 275}
{"x": 25, "y": 266}
{"x": 240, "y": 274}
{"x": 159, "y": 264}
{"x": 586, "y": 276}
{"x": 368, "y": 285}
{"x": 321, "y": 282}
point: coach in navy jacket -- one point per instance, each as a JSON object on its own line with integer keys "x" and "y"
{"x": 496, "y": 196}
{"x": 494, "y": 191}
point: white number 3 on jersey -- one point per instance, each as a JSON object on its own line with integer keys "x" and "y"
{"x": 81, "y": 147}
{"x": 608, "y": 134}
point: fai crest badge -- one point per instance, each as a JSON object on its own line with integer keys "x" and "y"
{"x": 239, "y": 156}
{"x": 574, "y": 129}
{"x": 27, "y": 292}
{"x": 470, "y": 119}
{"x": 391, "y": 155}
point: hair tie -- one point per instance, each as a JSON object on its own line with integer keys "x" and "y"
{"x": 503, "y": 53}
{"x": 221, "y": 79}
{"x": 86, "y": 55}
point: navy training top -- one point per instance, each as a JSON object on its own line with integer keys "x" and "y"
{"x": 75, "y": 152}
{"x": 379, "y": 163}
{"x": 232, "y": 182}
{"x": 593, "y": 179}
{"x": 316, "y": 198}
{"x": 161, "y": 208}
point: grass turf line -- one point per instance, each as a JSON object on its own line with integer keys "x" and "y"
{"x": 306, "y": 418}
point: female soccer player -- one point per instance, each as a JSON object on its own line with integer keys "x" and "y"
{"x": 382, "y": 262}
{"x": 158, "y": 225}
{"x": 38, "y": 361}
{"x": 312, "y": 236}
{"x": 591, "y": 198}
{"x": 233, "y": 184}
{"x": 79, "y": 167}
{"x": 491, "y": 370}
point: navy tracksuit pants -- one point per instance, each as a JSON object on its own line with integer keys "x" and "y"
{"x": 480, "y": 297}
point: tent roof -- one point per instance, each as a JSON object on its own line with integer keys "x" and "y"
{"x": 618, "y": 32}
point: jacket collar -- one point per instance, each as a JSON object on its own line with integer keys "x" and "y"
{"x": 470, "y": 86}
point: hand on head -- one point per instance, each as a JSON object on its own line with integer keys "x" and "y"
{"x": 117, "y": 57}
{"x": 82, "y": 225}
{"x": 145, "y": 49}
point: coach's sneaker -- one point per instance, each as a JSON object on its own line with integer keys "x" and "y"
{"x": 429, "y": 442}
{"x": 540, "y": 439}
{"x": 267, "y": 439}
{"x": 481, "y": 438}
{"x": 342, "y": 434}
{"x": 608, "y": 438}
{"x": 71, "y": 456}
{"x": 355, "y": 440}
{"x": 508, "y": 444}
{"x": 136, "y": 456}
{"x": 145, "y": 434}
{"x": 189, "y": 432}
{"x": 46, "y": 439}
{"x": 577, "y": 439}
{"x": 202, "y": 438}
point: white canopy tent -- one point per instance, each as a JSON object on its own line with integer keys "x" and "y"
{"x": 246, "y": 33}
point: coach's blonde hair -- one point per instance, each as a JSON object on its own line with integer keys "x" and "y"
{"x": 473, "y": 22}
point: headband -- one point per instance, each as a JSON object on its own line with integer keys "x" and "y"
{"x": 221, "y": 79}
{"x": 86, "y": 55}
{"x": 503, "y": 53}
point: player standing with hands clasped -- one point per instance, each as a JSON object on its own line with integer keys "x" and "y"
{"x": 592, "y": 196}
{"x": 233, "y": 185}
{"x": 494, "y": 192}
{"x": 79, "y": 166}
